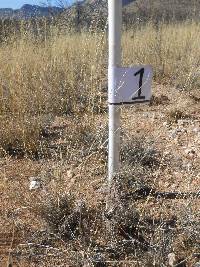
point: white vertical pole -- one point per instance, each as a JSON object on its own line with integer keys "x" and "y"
{"x": 115, "y": 25}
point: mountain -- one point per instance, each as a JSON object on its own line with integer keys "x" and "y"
{"x": 91, "y": 14}
{"x": 124, "y": 2}
{"x": 94, "y": 12}
{"x": 29, "y": 11}
{"x": 87, "y": 14}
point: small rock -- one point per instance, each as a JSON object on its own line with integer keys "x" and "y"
{"x": 173, "y": 134}
{"x": 34, "y": 184}
{"x": 171, "y": 259}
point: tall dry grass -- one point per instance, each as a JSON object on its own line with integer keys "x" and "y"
{"x": 66, "y": 74}
{"x": 172, "y": 49}
{"x": 41, "y": 80}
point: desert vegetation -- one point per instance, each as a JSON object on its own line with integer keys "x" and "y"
{"x": 53, "y": 148}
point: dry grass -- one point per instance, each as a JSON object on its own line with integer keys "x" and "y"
{"x": 52, "y": 97}
{"x": 173, "y": 51}
{"x": 42, "y": 80}
{"x": 67, "y": 74}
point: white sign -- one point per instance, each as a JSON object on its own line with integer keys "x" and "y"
{"x": 131, "y": 85}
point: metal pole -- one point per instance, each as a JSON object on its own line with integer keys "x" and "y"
{"x": 115, "y": 25}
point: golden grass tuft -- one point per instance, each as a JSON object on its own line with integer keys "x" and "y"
{"x": 172, "y": 49}
{"x": 66, "y": 74}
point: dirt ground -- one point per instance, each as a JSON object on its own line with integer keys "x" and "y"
{"x": 172, "y": 121}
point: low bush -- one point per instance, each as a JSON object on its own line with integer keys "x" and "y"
{"x": 140, "y": 151}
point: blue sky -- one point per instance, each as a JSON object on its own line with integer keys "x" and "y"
{"x": 19, "y": 3}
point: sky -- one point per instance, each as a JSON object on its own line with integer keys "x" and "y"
{"x": 18, "y": 3}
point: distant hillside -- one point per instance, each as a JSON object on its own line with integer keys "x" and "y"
{"x": 94, "y": 12}
{"x": 162, "y": 10}
{"x": 87, "y": 14}
{"x": 124, "y": 2}
{"x": 29, "y": 11}
{"x": 87, "y": 10}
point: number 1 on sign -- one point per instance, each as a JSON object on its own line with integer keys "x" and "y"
{"x": 141, "y": 73}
